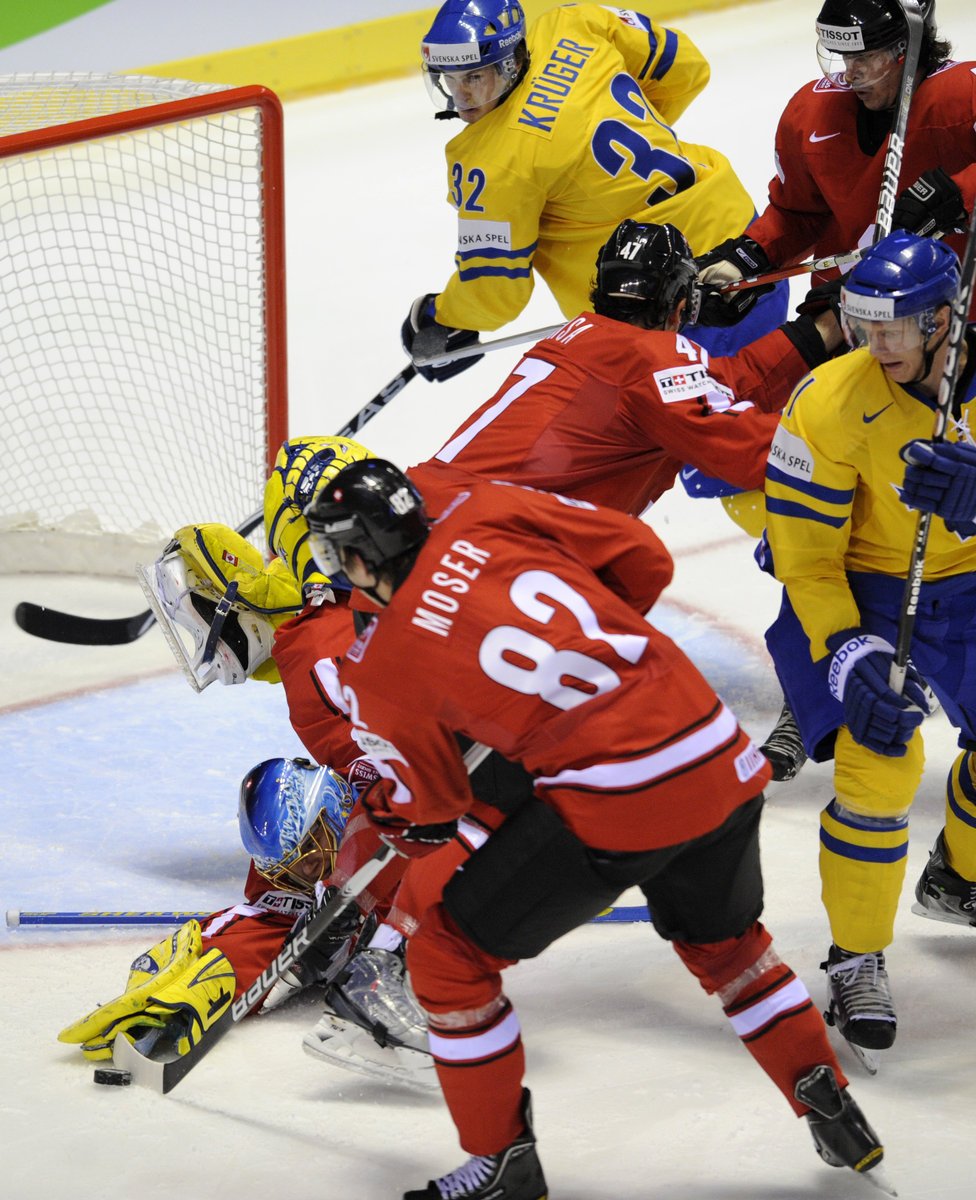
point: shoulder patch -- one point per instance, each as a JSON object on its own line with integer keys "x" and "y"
{"x": 791, "y": 455}
{"x": 683, "y": 383}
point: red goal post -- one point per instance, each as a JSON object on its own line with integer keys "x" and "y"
{"x": 142, "y": 313}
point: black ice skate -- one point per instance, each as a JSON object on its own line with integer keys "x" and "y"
{"x": 941, "y": 894}
{"x": 784, "y": 747}
{"x": 515, "y": 1173}
{"x": 841, "y": 1133}
{"x": 860, "y": 1003}
{"x": 373, "y": 1025}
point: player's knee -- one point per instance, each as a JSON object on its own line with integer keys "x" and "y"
{"x": 726, "y": 967}
{"x": 449, "y": 974}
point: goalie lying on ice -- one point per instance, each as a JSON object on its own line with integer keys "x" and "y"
{"x": 291, "y": 818}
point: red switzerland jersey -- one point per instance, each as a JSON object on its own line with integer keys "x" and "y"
{"x": 609, "y": 413}
{"x": 824, "y": 197}
{"x": 520, "y": 626}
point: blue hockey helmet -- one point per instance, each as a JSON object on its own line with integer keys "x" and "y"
{"x": 290, "y": 810}
{"x": 903, "y": 275}
{"x": 473, "y": 51}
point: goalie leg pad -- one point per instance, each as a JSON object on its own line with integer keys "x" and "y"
{"x": 153, "y": 970}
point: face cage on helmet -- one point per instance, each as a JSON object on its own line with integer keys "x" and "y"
{"x": 902, "y": 333}
{"x": 441, "y": 85}
{"x": 320, "y": 838}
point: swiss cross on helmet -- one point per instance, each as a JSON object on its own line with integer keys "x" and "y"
{"x": 469, "y": 37}
{"x": 370, "y": 507}
{"x": 903, "y": 275}
{"x": 853, "y": 26}
{"x": 643, "y": 272}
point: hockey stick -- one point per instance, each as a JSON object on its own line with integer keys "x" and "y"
{"x": 18, "y": 918}
{"x": 54, "y": 626}
{"x": 891, "y": 173}
{"x": 804, "y": 268}
{"x": 163, "y": 1076}
{"x": 513, "y": 339}
{"x": 947, "y": 386}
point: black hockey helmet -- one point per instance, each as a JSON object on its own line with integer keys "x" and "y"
{"x": 852, "y": 26}
{"x": 643, "y": 272}
{"x": 371, "y": 507}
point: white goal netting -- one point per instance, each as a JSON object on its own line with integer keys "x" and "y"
{"x": 141, "y": 313}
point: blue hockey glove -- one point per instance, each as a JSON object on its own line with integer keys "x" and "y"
{"x": 941, "y": 478}
{"x": 933, "y": 204}
{"x": 423, "y": 336}
{"x": 878, "y": 718}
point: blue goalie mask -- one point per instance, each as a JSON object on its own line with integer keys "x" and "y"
{"x": 291, "y": 817}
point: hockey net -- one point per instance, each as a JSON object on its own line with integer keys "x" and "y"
{"x": 142, "y": 343}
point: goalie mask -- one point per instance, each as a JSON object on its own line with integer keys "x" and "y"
{"x": 292, "y": 816}
{"x": 212, "y": 584}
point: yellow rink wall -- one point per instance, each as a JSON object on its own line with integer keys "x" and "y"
{"x": 352, "y": 55}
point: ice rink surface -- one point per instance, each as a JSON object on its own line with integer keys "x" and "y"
{"x": 119, "y": 791}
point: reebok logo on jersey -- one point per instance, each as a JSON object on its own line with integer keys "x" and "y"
{"x": 874, "y": 416}
{"x": 822, "y": 137}
{"x": 791, "y": 455}
{"x": 677, "y": 384}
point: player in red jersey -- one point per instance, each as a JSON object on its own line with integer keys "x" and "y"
{"x": 517, "y": 620}
{"x": 611, "y": 406}
{"x": 832, "y": 138}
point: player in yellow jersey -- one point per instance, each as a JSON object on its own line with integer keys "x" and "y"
{"x": 567, "y": 131}
{"x": 841, "y": 533}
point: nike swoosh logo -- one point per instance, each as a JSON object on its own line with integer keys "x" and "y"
{"x": 823, "y": 137}
{"x": 874, "y": 416}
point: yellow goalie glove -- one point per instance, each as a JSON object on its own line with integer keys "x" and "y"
{"x": 302, "y": 468}
{"x": 172, "y": 988}
{"x": 213, "y": 584}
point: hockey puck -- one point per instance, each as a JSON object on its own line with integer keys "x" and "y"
{"x": 113, "y": 1076}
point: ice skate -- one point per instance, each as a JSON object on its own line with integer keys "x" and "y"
{"x": 784, "y": 747}
{"x": 373, "y": 1025}
{"x": 514, "y": 1173}
{"x": 860, "y": 1003}
{"x": 841, "y": 1133}
{"x": 941, "y": 894}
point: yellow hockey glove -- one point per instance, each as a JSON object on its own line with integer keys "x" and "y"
{"x": 164, "y": 962}
{"x": 193, "y": 1001}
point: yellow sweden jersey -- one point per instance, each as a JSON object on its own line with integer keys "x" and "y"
{"x": 582, "y": 143}
{"x": 832, "y": 499}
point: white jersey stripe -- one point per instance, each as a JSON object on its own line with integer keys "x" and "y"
{"x": 479, "y": 1045}
{"x": 757, "y": 1015}
{"x": 636, "y": 771}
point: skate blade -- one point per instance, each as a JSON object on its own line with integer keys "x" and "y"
{"x": 879, "y": 1178}
{"x": 870, "y": 1060}
{"x": 943, "y": 918}
{"x": 348, "y": 1046}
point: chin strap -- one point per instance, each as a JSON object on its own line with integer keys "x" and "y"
{"x": 928, "y": 357}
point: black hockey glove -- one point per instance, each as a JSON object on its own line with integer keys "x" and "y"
{"x": 423, "y": 336}
{"x": 733, "y": 259}
{"x": 822, "y": 297}
{"x": 932, "y": 205}
{"x": 313, "y": 966}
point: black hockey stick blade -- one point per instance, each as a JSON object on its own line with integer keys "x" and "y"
{"x": 56, "y": 626}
